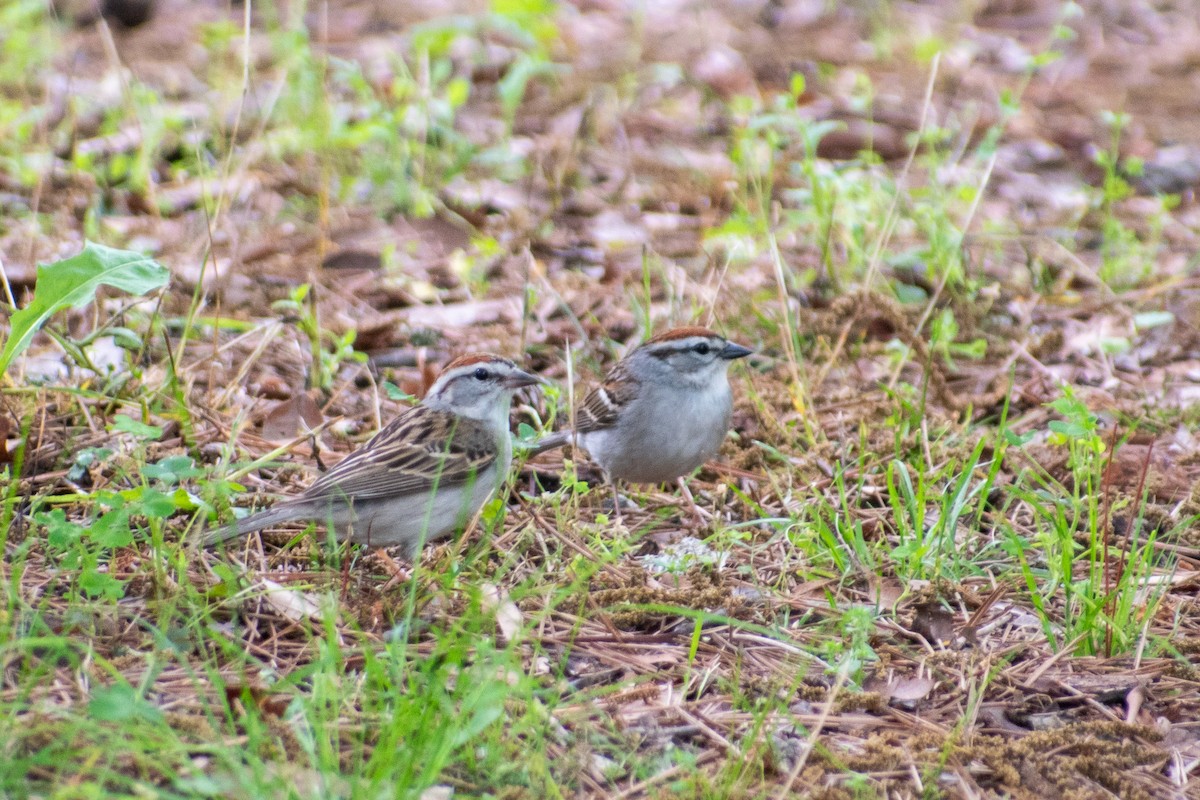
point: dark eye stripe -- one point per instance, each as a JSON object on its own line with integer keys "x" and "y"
{"x": 664, "y": 352}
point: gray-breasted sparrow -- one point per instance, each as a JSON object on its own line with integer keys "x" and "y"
{"x": 425, "y": 474}
{"x": 661, "y": 412}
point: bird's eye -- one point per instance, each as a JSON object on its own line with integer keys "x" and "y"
{"x": 482, "y": 374}
{"x": 702, "y": 348}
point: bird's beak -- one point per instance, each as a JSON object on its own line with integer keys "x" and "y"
{"x": 732, "y": 350}
{"x": 519, "y": 380}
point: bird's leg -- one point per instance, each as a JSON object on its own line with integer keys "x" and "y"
{"x": 617, "y": 499}
{"x": 397, "y": 574}
{"x": 700, "y": 517}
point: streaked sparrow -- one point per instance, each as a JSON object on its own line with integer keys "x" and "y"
{"x": 661, "y": 412}
{"x": 425, "y": 474}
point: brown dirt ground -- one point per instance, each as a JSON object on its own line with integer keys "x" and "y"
{"x": 621, "y": 174}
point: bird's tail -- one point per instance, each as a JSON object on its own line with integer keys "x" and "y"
{"x": 556, "y": 439}
{"x": 255, "y": 522}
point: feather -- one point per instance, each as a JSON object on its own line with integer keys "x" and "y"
{"x": 602, "y": 406}
{"x": 420, "y": 451}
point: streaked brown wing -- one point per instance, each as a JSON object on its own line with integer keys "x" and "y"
{"x": 602, "y": 406}
{"x": 414, "y": 452}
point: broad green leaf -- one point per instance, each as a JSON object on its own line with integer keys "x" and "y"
{"x": 171, "y": 470}
{"x": 156, "y": 504}
{"x": 121, "y": 703}
{"x": 61, "y": 533}
{"x": 72, "y": 283}
{"x": 394, "y": 392}
{"x": 100, "y": 584}
{"x": 141, "y": 430}
{"x": 85, "y": 459}
{"x": 1018, "y": 440}
{"x": 1072, "y": 430}
{"x": 111, "y": 529}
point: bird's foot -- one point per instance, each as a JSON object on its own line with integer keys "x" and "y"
{"x": 397, "y": 572}
{"x": 700, "y": 519}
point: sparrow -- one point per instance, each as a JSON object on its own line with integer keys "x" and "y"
{"x": 424, "y": 475}
{"x": 661, "y": 412}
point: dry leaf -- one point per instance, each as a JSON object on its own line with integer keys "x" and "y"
{"x": 291, "y": 418}
{"x": 508, "y": 616}
{"x": 271, "y": 704}
{"x": 461, "y": 315}
{"x": 907, "y": 691}
{"x": 1165, "y": 479}
{"x": 353, "y": 260}
{"x": 725, "y": 70}
{"x": 1134, "y": 702}
{"x": 887, "y": 592}
{"x": 935, "y": 623}
{"x": 289, "y": 603}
